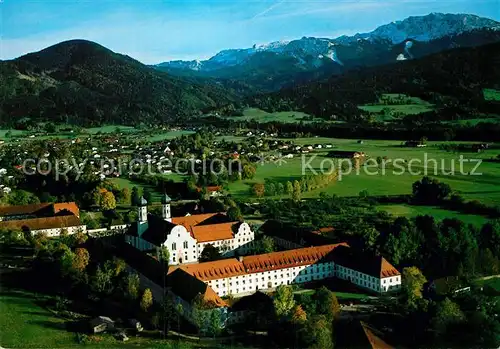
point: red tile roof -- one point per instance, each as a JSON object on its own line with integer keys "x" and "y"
{"x": 21, "y": 209}
{"x": 375, "y": 341}
{"x": 71, "y": 207}
{"x": 41, "y": 223}
{"x": 253, "y": 264}
{"x": 288, "y": 259}
{"x": 213, "y": 232}
{"x": 214, "y": 270}
{"x": 192, "y": 220}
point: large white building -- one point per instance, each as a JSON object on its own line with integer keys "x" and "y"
{"x": 246, "y": 275}
{"x": 186, "y": 237}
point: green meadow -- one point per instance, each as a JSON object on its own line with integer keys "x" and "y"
{"x": 255, "y": 114}
{"x": 482, "y": 187}
{"x": 491, "y": 94}
{"x": 412, "y": 105}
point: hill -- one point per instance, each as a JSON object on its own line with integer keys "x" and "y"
{"x": 84, "y": 83}
{"x": 453, "y": 80}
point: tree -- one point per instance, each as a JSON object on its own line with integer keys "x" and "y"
{"x": 135, "y": 196}
{"x": 146, "y": 300}
{"x": 412, "y": 284}
{"x": 164, "y": 254}
{"x": 81, "y": 259}
{"x": 317, "y": 333}
{"x": 234, "y": 213}
{"x": 209, "y": 253}
{"x": 327, "y": 303}
{"x": 132, "y": 286}
{"x": 214, "y": 322}
{"x": 79, "y": 238}
{"x": 283, "y": 301}
{"x": 265, "y": 245}
{"x": 430, "y": 191}
{"x": 299, "y": 316}
{"x": 258, "y": 189}
{"x": 107, "y": 201}
{"x": 102, "y": 280}
{"x": 296, "y": 191}
{"x": 248, "y": 171}
{"x": 448, "y": 313}
{"x": 289, "y": 188}
{"x": 148, "y": 195}
{"x": 125, "y": 195}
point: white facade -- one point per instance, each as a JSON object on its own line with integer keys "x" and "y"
{"x": 57, "y": 231}
{"x": 247, "y": 284}
{"x": 184, "y": 248}
{"x": 379, "y": 285}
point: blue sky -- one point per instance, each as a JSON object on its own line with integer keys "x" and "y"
{"x": 154, "y": 31}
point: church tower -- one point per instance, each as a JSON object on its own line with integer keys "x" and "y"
{"x": 142, "y": 210}
{"x": 165, "y": 208}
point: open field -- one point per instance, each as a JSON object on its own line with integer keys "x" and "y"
{"x": 438, "y": 213}
{"x": 26, "y": 324}
{"x": 259, "y": 115}
{"x": 491, "y": 94}
{"x": 412, "y": 105}
{"x": 483, "y": 187}
{"x": 109, "y": 129}
{"x": 168, "y": 135}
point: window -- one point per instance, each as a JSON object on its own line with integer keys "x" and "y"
{"x": 186, "y": 244}
{"x": 173, "y": 246}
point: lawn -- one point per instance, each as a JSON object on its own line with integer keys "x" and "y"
{"x": 24, "y": 323}
{"x": 168, "y": 135}
{"x": 413, "y": 105}
{"x": 483, "y": 187}
{"x": 438, "y": 213}
{"x": 110, "y": 129}
{"x": 491, "y": 94}
{"x": 259, "y": 115}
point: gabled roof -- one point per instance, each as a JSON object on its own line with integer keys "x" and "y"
{"x": 157, "y": 231}
{"x": 63, "y": 207}
{"x": 22, "y": 209}
{"x": 192, "y": 220}
{"x": 373, "y": 339}
{"x": 290, "y": 258}
{"x": 358, "y": 334}
{"x": 188, "y": 288}
{"x": 215, "y": 270}
{"x": 253, "y": 264}
{"x": 366, "y": 263}
{"x": 214, "y": 232}
{"x": 41, "y": 223}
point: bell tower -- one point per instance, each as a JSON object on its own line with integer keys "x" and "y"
{"x": 142, "y": 210}
{"x": 165, "y": 208}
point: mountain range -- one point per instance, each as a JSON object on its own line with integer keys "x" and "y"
{"x": 82, "y": 82}
{"x": 274, "y": 65}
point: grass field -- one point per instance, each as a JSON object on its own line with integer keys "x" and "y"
{"x": 413, "y": 105}
{"x": 168, "y": 135}
{"x": 24, "y": 323}
{"x": 284, "y": 117}
{"x": 491, "y": 94}
{"x": 438, "y": 213}
{"x": 109, "y": 129}
{"x": 484, "y": 187}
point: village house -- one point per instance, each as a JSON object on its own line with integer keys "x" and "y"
{"x": 49, "y": 218}
{"x": 186, "y": 237}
